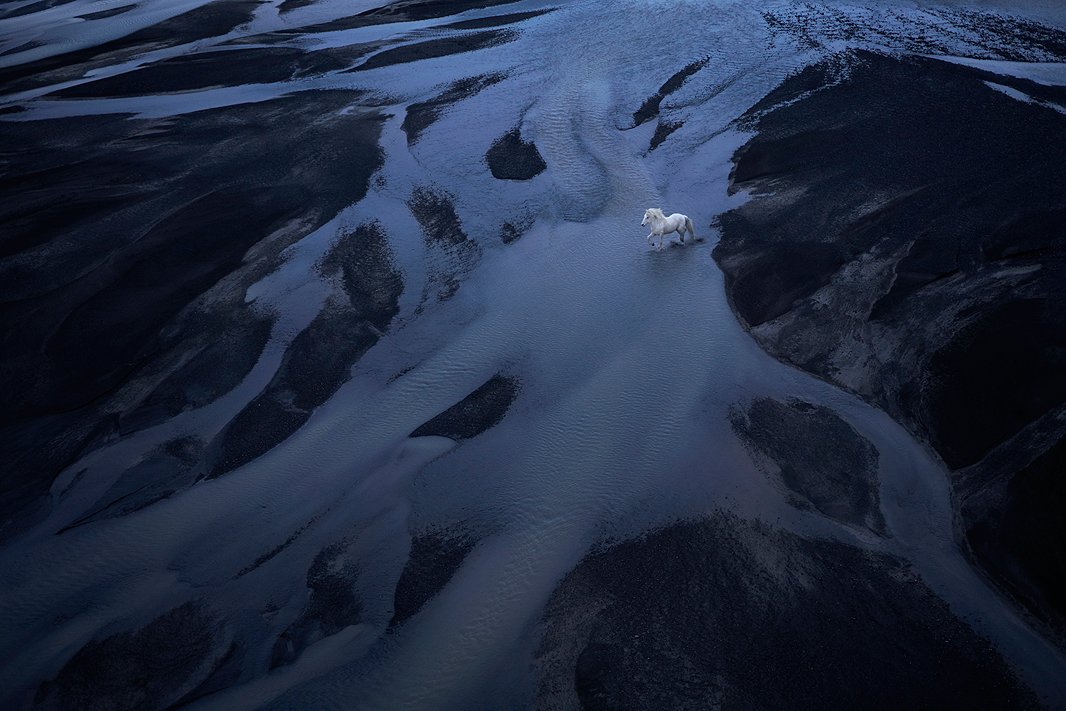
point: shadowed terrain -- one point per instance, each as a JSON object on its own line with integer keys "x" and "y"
{"x": 903, "y": 250}
{"x": 763, "y": 608}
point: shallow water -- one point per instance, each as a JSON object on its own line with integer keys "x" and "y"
{"x": 630, "y": 361}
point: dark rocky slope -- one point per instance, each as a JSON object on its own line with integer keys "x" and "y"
{"x": 907, "y": 240}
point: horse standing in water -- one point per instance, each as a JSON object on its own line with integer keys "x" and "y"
{"x": 662, "y": 225}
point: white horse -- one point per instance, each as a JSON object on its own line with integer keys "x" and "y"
{"x": 662, "y": 225}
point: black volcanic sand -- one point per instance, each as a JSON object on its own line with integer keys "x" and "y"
{"x": 650, "y": 108}
{"x": 207, "y": 21}
{"x": 127, "y": 249}
{"x": 403, "y": 11}
{"x": 289, "y": 5}
{"x": 443, "y": 47}
{"x": 513, "y": 231}
{"x": 450, "y": 250}
{"x": 121, "y": 9}
{"x": 152, "y": 667}
{"x": 320, "y": 358}
{"x": 906, "y": 241}
{"x": 511, "y": 158}
{"x": 331, "y": 606}
{"x": 479, "y": 411}
{"x": 229, "y": 67}
{"x": 273, "y": 552}
{"x": 409, "y": 10}
{"x": 422, "y": 114}
{"x": 821, "y": 460}
{"x": 725, "y": 613}
{"x": 440, "y": 223}
{"x": 494, "y": 20}
{"x": 160, "y": 474}
{"x": 434, "y": 558}
{"x": 1001, "y": 35}
{"x": 663, "y": 129}
{"x": 32, "y": 7}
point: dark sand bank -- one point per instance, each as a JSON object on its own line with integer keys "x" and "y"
{"x": 110, "y": 12}
{"x": 650, "y": 108}
{"x": 434, "y": 558}
{"x": 511, "y": 158}
{"x": 403, "y": 11}
{"x": 663, "y": 129}
{"x": 452, "y": 253}
{"x": 151, "y": 667}
{"x": 421, "y": 115}
{"x": 479, "y": 23}
{"x": 202, "y": 70}
{"x": 732, "y": 613}
{"x": 821, "y": 460}
{"x": 431, "y": 49}
{"x": 476, "y": 413}
{"x": 331, "y": 605}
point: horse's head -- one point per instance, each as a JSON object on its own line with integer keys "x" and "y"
{"x": 650, "y": 214}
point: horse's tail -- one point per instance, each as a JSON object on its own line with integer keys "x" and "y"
{"x": 690, "y": 227}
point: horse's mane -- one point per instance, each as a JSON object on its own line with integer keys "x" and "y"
{"x": 656, "y": 212}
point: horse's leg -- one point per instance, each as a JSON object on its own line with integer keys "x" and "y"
{"x": 648, "y": 238}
